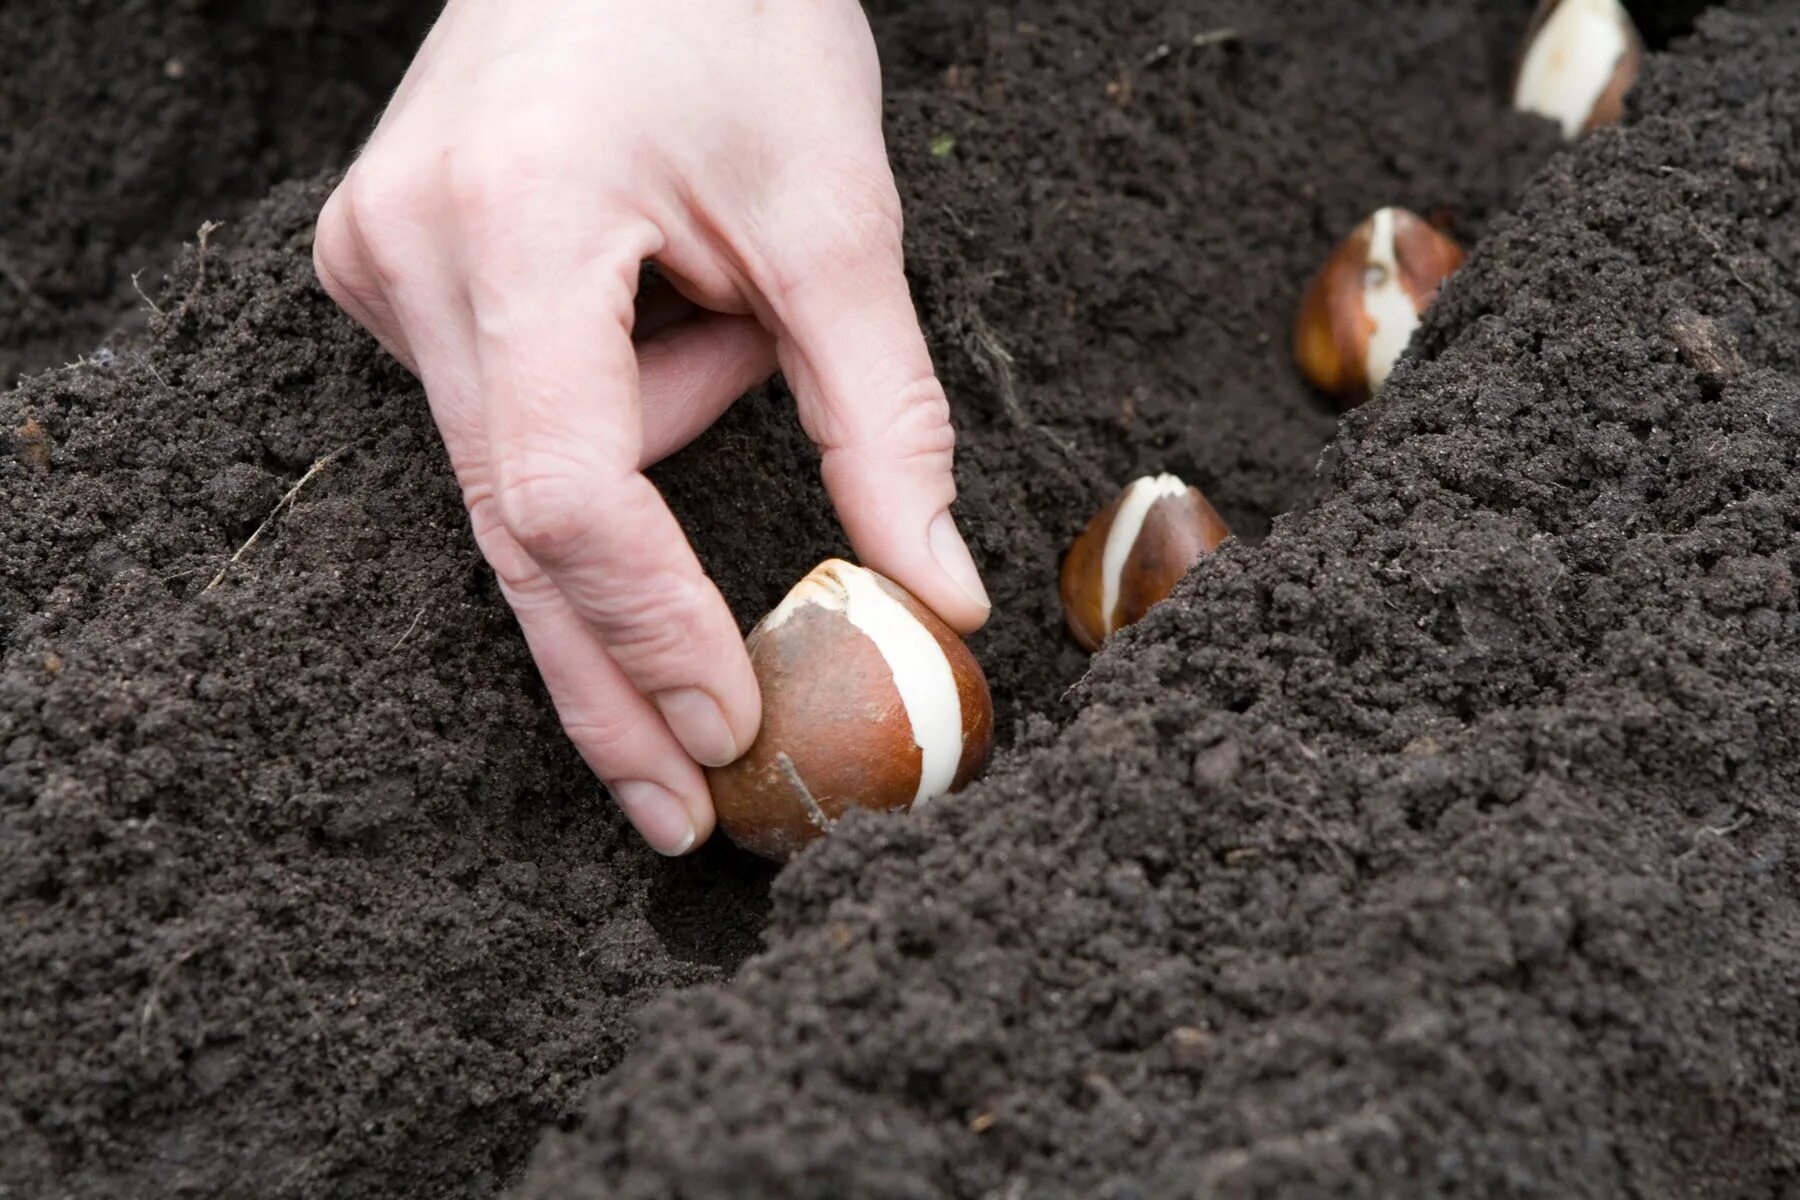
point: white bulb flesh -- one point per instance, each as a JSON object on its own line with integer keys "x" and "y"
{"x": 1570, "y": 63}
{"x": 921, "y": 671}
{"x": 1128, "y": 522}
{"x": 1386, "y": 301}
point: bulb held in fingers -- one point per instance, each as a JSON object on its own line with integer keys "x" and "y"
{"x": 869, "y": 701}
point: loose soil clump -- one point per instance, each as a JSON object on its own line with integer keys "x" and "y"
{"x": 1437, "y": 838}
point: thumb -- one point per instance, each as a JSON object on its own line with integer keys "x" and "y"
{"x": 850, "y": 346}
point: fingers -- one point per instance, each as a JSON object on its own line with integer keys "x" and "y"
{"x": 692, "y": 372}
{"x": 537, "y": 395}
{"x": 659, "y": 307}
{"x": 620, "y": 736}
{"x": 564, "y": 426}
{"x": 688, "y": 376}
{"x": 852, "y": 349}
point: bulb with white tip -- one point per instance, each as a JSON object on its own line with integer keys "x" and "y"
{"x": 1133, "y": 553}
{"x": 869, "y": 701}
{"x": 1581, "y": 58}
{"x": 1360, "y": 311}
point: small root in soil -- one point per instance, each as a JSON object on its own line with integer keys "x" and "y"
{"x": 207, "y": 229}
{"x": 273, "y": 513}
{"x": 143, "y": 295}
{"x": 996, "y": 360}
{"x": 1716, "y": 833}
{"x": 1210, "y": 37}
{"x": 152, "y": 1008}
{"x": 417, "y": 617}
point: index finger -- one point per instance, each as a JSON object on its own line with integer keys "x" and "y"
{"x": 560, "y": 396}
{"x": 851, "y": 347}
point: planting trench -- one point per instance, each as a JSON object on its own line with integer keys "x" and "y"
{"x": 1437, "y": 838}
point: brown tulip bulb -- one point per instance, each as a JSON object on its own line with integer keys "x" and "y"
{"x": 869, "y": 701}
{"x": 1581, "y": 58}
{"x": 1133, "y": 553}
{"x": 1360, "y": 310}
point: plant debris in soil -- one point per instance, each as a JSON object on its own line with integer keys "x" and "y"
{"x": 1441, "y": 843}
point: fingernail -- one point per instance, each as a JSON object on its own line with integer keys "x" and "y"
{"x": 952, "y": 554}
{"x": 658, "y": 815}
{"x": 699, "y": 725}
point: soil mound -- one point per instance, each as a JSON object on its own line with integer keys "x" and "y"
{"x": 1444, "y": 844}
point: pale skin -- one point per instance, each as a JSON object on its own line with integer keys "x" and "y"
{"x": 491, "y": 236}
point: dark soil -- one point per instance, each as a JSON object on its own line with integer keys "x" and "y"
{"x": 1442, "y": 843}
{"x": 123, "y": 126}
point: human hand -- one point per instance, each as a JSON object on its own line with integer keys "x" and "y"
{"x": 491, "y": 236}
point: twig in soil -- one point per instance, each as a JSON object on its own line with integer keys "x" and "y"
{"x": 1718, "y": 249}
{"x": 145, "y": 358}
{"x": 1211, "y": 37}
{"x": 1712, "y": 241}
{"x": 142, "y": 294}
{"x": 207, "y": 229}
{"x": 305, "y": 1166}
{"x": 1073, "y": 837}
{"x": 409, "y": 631}
{"x": 103, "y": 358}
{"x": 1719, "y": 832}
{"x": 1076, "y": 686}
{"x": 1312, "y": 822}
{"x": 986, "y": 346}
{"x": 273, "y": 513}
{"x": 153, "y": 998}
{"x": 311, "y": 1009}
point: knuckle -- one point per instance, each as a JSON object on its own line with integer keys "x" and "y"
{"x": 846, "y": 214}
{"x": 334, "y": 249}
{"x": 603, "y": 732}
{"x": 657, "y": 622}
{"x": 919, "y": 418}
{"x": 480, "y": 177}
{"x": 911, "y": 425}
{"x": 384, "y": 202}
{"x": 484, "y": 514}
{"x": 331, "y": 270}
{"x": 486, "y": 172}
{"x": 382, "y": 192}
{"x": 347, "y": 280}
{"x": 546, "y": 506}
{"x": 521, "y": 579}
{"x": 523, "y": 204}
{"x": 857, "y": 184}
